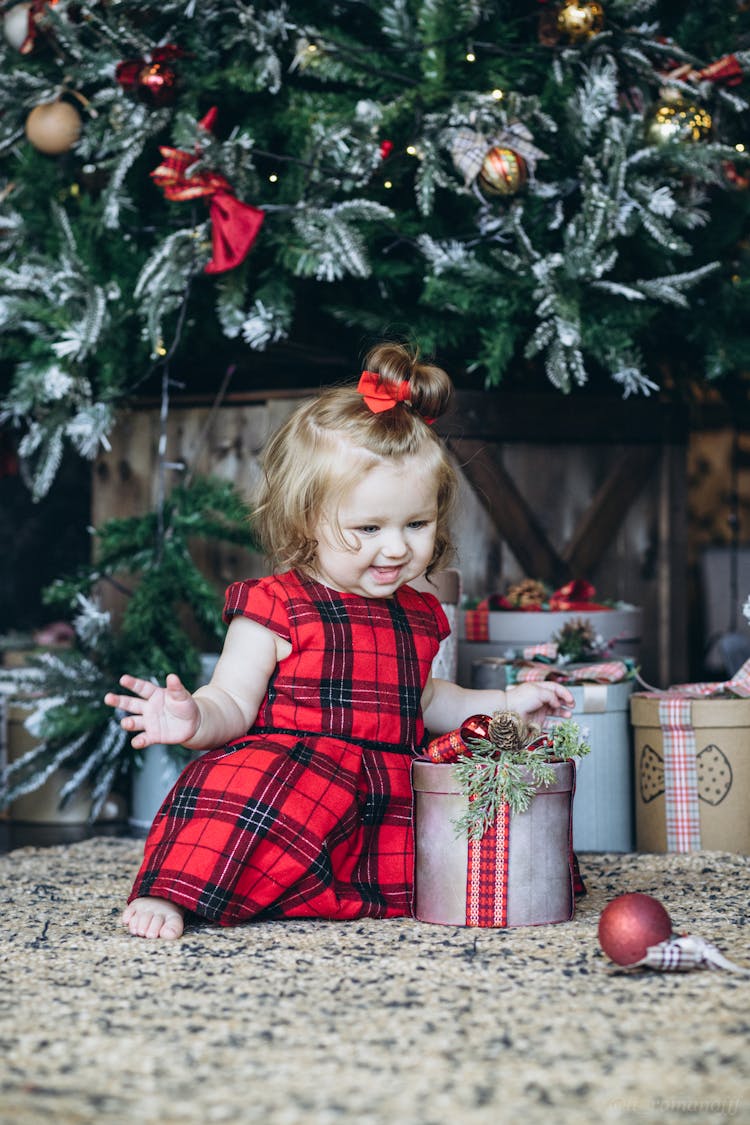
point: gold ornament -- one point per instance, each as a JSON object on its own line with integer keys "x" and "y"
{"x": 53, "y": 127}
{"x": 580, "y": 21}
{"x": 503, "y": 172}
{"x": 678, "y": 120}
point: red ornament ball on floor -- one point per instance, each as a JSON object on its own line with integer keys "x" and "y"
{"x": 630, "y": 924}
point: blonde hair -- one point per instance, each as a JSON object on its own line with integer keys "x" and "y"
{"x": 308, "y": 463}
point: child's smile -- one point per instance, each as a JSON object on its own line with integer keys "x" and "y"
{"x": 388, "y": 521}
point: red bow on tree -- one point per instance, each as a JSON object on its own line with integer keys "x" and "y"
{"x": 234, "y": 225}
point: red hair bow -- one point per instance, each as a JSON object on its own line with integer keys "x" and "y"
{"x": 380, "y": 395}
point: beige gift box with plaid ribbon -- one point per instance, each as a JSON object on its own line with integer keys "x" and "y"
{"x": 692, "y": 771}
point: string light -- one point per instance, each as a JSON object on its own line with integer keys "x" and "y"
{"x": 411, "y": 150}
{"x": 470, "y": 56}
{"x": 497, "y": 94}
{"x": 273, "y": 178}
{"x": 388, "y": 184}
{"x": 739, "y": 148}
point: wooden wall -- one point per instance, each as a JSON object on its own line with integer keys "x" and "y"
{"x": 551, "y": 488}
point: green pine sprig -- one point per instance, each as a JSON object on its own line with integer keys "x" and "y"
{"x": 489, "y": 777}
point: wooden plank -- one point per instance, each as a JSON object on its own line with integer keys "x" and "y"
{"x": 610, "y": 505}
{"x": 500, "y": 416}
{"x": 512, "y": 516}
{"x": 672, "y": 567}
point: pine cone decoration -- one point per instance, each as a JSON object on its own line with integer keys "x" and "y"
{"x": 509, "y": 731}
{"x": 527, "y": 593}
{"x": 577, "y": 639}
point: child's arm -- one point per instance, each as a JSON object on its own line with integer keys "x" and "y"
{"x": 446, "y": 705}
{"x": 223, "y": 709}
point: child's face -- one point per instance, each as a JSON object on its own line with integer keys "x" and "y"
{"x": 388, "y": 520}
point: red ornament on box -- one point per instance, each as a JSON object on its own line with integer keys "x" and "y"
{"x": 630, "y": 924}
{"x": 453, "y": 745}
{"x": 476, "y": 726}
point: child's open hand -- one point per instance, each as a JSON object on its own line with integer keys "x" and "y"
{"x": 535, "y": 701}
{"x": 169, "y": 715}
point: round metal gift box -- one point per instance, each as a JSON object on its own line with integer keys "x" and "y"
{"x": 540, "y": 881}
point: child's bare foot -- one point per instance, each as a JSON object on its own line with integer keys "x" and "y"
{"x": 154, "y": 918}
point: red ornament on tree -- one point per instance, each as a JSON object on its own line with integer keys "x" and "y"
{"x": 386, "y": 148}
{"x": 152, "y": 79}
{"x": 630, "y": 924}
{"x": 157, "y": 85}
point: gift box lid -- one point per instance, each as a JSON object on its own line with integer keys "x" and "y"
{"x": 440, "y": 777}
{"x": 715, "y": 712}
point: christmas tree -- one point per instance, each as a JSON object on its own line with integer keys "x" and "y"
{"x": 540, "y": 194}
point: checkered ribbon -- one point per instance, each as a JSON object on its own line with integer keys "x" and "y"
{"x": 603, "y": 672}
{"x": 487, "y": 874}
{"x": 738, "y": 685}
{"x": 446, "y": 747}
{"x": 477, "y": 622}
{"x": 680, "y": 775}
{"x": 547, "y": 651}
{"x": 680, "y": 954}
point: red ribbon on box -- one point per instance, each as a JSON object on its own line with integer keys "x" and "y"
{"x": 487, "y": 874}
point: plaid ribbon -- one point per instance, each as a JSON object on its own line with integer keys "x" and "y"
{"x": 738, "y": 685}
{"x": 487, "y": 874}
{"x": 604, "y": 672}
{"x": 680, "y": 954}
{"x": 446, "y": 747}
{"x": 477, "y": 622}
{"x": 680, "y": 775}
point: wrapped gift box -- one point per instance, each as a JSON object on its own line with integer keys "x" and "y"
{"x": 509, "y": 632}
{"x": 603, "y": 813}
{"x": 516, "y": 629}
{"x": 520, "y": 872}
{"x": 692, "y": 772}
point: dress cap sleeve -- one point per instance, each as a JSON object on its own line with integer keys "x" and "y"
{"x": 261, "y": 600}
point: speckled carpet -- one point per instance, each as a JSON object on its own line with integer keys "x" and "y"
{"x": 399, "y": 1022}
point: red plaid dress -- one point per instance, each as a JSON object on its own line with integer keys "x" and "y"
{"x": 310, "y": 813}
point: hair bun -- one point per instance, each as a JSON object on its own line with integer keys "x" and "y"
{"x": 430, "y": 386}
